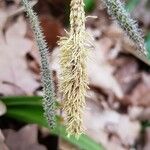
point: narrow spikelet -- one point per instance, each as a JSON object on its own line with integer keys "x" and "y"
{"x": 49, "y": 103}
{"x": 117, "y": 10}
{"x": 73, "y": 60}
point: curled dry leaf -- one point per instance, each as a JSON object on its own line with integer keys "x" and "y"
{"x": 3, "y": 18}
{"x": 3, "y": 108}
{"x": 24, "y": 139}
{"x": 112, "y": 129}
{"x": 140, "y": 95}
{"x": 127, "y": 73}
{"x": 100, "y": 71}
{"x": 2, "y": 144}
{"x": 142, "y": 12}
{"x": 15, "y": 78}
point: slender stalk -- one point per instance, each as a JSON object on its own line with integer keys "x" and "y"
{"x": 49, "y": 103}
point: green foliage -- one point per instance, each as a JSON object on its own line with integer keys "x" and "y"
{"x": 145, "y": 124}
{"x": 49, "y": 101}
{"x": 29, "y": 110}
{"x": 89, "y": 5}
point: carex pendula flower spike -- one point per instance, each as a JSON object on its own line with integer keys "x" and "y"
{"x": 73, "y": 61}
{"x": 117, "y": 10}
{"x": 49, "y": 103}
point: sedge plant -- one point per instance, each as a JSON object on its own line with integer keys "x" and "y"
{"x": 74, "y": 50}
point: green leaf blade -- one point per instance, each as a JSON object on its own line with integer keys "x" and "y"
{"x": 29, "y": 110}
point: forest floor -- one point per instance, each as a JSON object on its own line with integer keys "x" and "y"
{"x": 118, "y": 101}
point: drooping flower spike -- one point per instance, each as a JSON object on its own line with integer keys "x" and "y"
{"x": 73, "y": 61}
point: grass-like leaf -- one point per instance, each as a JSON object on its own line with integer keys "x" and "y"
{"x": 29, "y": 110}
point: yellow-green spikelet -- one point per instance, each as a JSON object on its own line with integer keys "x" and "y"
{"x": 73, "y": 59}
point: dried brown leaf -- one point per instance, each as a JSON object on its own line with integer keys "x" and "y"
{"x": 15, "y": 78}
{"x": 24, "y": 139}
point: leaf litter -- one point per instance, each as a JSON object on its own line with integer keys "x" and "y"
{"x": 118, "y": 98}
